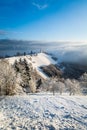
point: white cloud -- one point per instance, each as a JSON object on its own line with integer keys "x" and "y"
{"x": 40, "y": 6}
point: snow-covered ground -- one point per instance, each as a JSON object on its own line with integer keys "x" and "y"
{"x": 37, "y": 61}
{"x": 43, "y": 112}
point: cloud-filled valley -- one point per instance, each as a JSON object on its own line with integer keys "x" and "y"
{"x": 64, "y": 51}
{"x": 72, "y": 52}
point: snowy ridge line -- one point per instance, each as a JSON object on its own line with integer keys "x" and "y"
{"x": 37, "y": 61}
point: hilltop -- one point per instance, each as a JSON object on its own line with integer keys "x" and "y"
{"x": 37, "y": 61}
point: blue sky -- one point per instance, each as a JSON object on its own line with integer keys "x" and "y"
{"x": 48, "y": 20}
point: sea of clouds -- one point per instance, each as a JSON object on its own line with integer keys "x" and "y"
{"x": 71, "y": 52}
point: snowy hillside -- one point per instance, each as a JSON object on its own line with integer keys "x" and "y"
{"x": 37, "y": 61}
{"x": 43, "y": 112}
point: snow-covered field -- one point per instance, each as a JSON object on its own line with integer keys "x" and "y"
{"x": 43, "y": 112}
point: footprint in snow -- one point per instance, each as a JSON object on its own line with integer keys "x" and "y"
{"x": 84, "y": 106}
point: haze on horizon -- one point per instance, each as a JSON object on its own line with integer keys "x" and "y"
{"x": 45, "y": 20}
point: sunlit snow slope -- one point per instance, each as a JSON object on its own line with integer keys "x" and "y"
{"x": 37, "y": 61}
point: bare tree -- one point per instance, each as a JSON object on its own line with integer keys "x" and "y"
{"x": 32, "y": 85}
{"x": 83, "y": 83}
{"x": 45, "y": 86}
{"x": 84, "y": 77}
{"x": 52, "y": 85}
{"x": 72, "y": 86}
{"x": 57, "y": 86}
{"x": 61, "y": 87}
{"x": 7, "y": 78}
